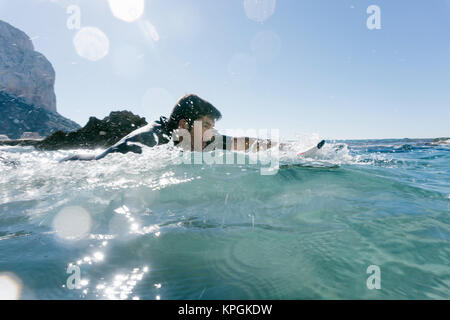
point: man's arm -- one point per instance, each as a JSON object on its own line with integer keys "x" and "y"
{"x": 123, "y": 147}
{"x": 142, "y": 135}
{"x": 244, "y": 143}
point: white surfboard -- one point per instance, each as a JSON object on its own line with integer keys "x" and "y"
{"x": 311, "y": 152}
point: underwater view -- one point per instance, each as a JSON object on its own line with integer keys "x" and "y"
{"x": 149, "y": 226}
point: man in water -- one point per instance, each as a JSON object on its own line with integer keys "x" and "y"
{"x": 189, "y": 115}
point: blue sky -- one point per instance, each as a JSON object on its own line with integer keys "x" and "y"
{"x": 312, "y": 66}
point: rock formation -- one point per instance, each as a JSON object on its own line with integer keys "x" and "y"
{"x": 17, "y": 117}
{"x": 96, "y": 133}
{"x": 25, "y": 73}
{"x": 28, "y": 103}
{"x": 27, "y": 97}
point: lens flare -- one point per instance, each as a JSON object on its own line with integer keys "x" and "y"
{"x": 91, "y": 43}
{"x": 259, "y": 10}
{"x": 10, "y": 286}
{"x": 72, "y": 223}
{"x": 127, "y": 10}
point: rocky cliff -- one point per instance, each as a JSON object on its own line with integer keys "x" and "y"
{"x": 24, "y": 72}
{"x": 18, "y": 117}
{"x": 27, "y": 97}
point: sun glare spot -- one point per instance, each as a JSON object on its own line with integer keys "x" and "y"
{"x": 122, "y": 285}
{"x": 127, "y": 10}
{"x": 10, "y": 286}
{"x": 91, "y": 43}
{"x": 98, "y": 256}
{"x": 72, "y": 223}
{"x": 259, "y": 10}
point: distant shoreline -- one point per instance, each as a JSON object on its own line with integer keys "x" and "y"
{"x": 20, "y": 142}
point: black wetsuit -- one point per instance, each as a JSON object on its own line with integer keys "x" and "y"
{"x": 152, "y": 134}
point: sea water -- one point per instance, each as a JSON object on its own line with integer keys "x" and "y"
{"x": 150, "y": 226}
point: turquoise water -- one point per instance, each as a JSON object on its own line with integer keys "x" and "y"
{"x": 147, "y": 227}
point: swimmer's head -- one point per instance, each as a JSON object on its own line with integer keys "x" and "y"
{"x": 190, "y": 108}
{"x": 195, "y": 115}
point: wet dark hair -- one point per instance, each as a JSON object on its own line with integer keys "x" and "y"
{"x": 191, "y": 107}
